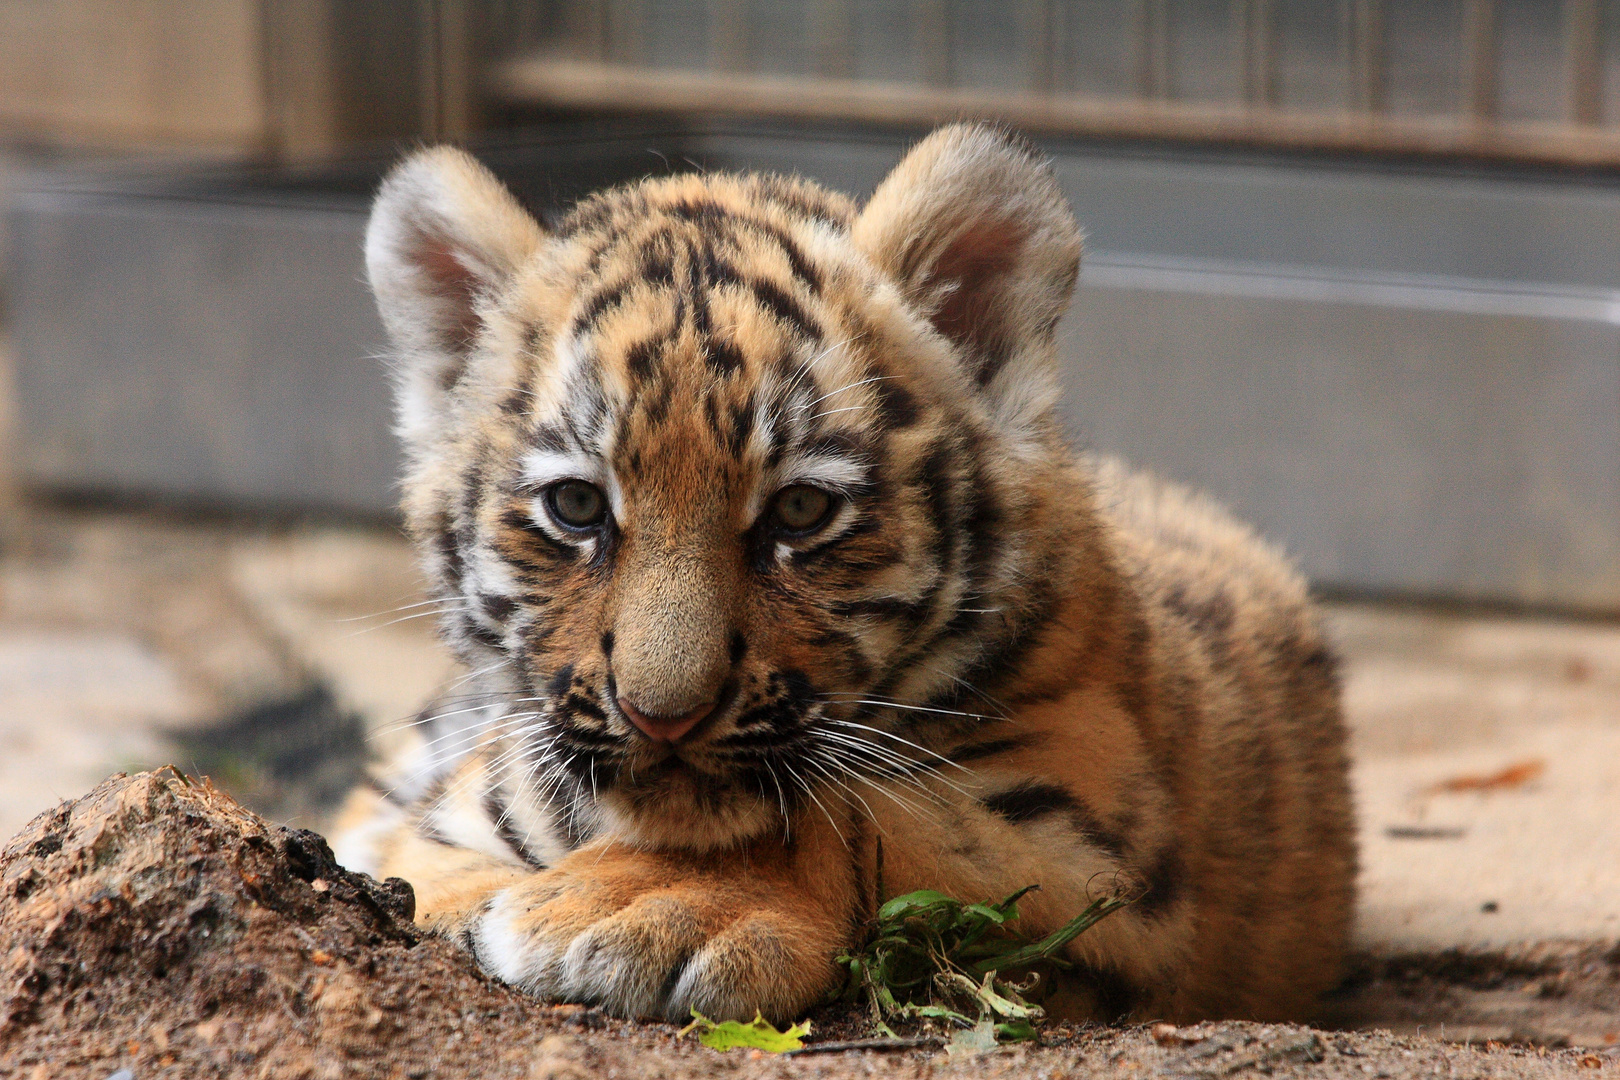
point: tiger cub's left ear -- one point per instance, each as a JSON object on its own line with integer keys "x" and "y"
{"x": 975, "y": 230}
{"x": 444, "y": 236}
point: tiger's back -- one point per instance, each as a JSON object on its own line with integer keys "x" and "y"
{"x": 750, "y": 516}
{"x": 1252, "y": 740}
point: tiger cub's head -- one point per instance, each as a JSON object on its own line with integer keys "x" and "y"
{"x": 733, "y": 487}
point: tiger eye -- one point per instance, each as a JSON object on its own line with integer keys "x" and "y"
{"x": 801, "y": 508}
{"x": 576, "y": 504}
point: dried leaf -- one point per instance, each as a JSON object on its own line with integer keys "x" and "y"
{"x": 1514, "y": 776}
{"x": 976, "y": 1040}
{"x": 759, "y": 1034}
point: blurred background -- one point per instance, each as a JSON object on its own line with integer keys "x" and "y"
{"x": 1352, "y": 265}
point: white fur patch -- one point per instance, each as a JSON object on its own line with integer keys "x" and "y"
{"x": 823, "y": 470}
{"x": 539, "y": 468}
{"x": 357, "y": 848}
{"x": 509, "y": 954}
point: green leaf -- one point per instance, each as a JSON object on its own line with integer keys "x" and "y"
{"x": 1009, "y": 906}
{"x": 937, "y": 1012}
{"x": 934, "y": 960}
{"x": 995, "y": 915}
{"x": 912, "y": 901}
{"x": 1017, "y": 1031}
{"x": 758, "y": 1034}
{"x": 1052, "y": 942}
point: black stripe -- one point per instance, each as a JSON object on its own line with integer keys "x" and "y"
{"x": 911, "y": 612}
{"x": 1166, "y": 877}
{"x": 785, "y": 308}
{"x": 499, "y": 608}
{"x": 1029, "y": 800}
{"x": 797, "y": 263}
{"x": 642, "y": 359}
{"x": 500, "y": 818}
{"x": 801, "y": 199}
{"x": 481, "y": 633}
{"x": 445, "y": 540}
{"x": 701, "y": 211}
{"x": 517, "y": 518}
{"x": 594, "y": 308}
{"x": 742, "y": 426}
{"x": 657, "y": 267}
{"x": 723, "y": 357}
{"x": 551, "y": 438}
{"x": 1032, "y": 800}
{"x": 593, "y": 213}
{"x": 896, "y": 407}
{"x": 656, "y": 411}
{"x": 980, "y": 751}
{"x": 578, "y": 703}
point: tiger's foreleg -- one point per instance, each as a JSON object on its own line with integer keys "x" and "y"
{"x": 658, "y": 933}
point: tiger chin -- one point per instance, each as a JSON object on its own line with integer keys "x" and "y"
{"x": 748, "y": 511}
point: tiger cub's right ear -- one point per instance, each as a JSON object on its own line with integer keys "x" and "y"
{"x": 444, "y": 235}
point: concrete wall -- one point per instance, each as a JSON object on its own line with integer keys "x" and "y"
{"x": 1411, "y": 379}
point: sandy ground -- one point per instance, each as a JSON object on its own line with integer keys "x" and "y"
{"x": 1487, "y": 747}
{"x": 155, "y": 926}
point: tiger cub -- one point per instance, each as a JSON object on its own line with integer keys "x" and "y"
{"x": 747, "y": 509}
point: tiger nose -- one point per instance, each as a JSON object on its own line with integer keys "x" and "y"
{"x": 670, "y": 729}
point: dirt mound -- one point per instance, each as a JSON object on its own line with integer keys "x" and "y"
{"x": 158, "y": 927}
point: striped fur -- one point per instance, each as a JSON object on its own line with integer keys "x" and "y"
{"x": 997, "y": 663}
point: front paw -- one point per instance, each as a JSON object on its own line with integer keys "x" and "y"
{"x": 658, "y": 945}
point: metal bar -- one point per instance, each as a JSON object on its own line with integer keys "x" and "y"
{"x": 1481, "y": 55}
{"x": 585, "y": 29}
{"x": 1151, "y": 27}
{"x": 1583, "y": 60}
{"x": 625, "y": 36}
{"x": 1039, "y": 17}
{"x": 574, "y": 84}
{"x": 451, "y": 80}
{"x": 729, "y": 35}
{"x": 1367, "y": 56}
{"x": 427, "y": 68}
{"x": 1257, "y": 50}
{"x": 1035, "y": 23}
{"x": 298, "y": 73}
{"x": 833, "y": 30}
{"x": 933, "y": 30}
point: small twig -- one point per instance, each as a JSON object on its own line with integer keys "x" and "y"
{"x": 919, "y": 1043}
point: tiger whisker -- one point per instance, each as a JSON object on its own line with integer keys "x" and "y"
{"x": 395, "y": 622}
{"x": 404, "y": 607}
{"x": 880, "y": 702}
{"x": 907, "y": 805}
{"x": 901, "y": 770}
{"x": 824, "y": 811}
{"x": 847, "y": 789}
{"x": 902, "y": 740}
{"x": 848, "y": 386}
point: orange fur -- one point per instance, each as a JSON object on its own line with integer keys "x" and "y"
{"x": 998, "y": 663}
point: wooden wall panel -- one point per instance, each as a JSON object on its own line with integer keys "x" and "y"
{"x": 124, "y": 73}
